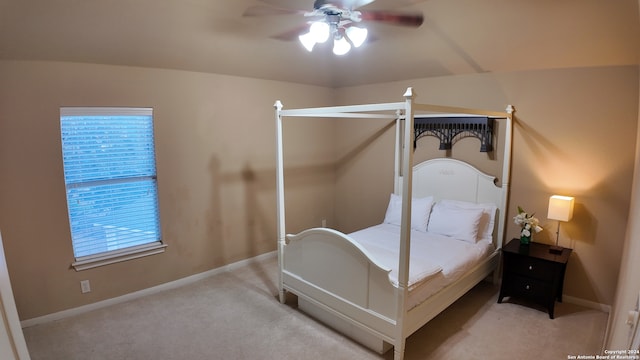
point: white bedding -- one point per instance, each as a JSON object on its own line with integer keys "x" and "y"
{"x": 435, "y": 260}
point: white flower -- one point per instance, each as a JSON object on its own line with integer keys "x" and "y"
{"x": 527, "y": 222}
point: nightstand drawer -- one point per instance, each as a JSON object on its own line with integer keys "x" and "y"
{"x": 528, "y": 287}
{"x": 533, "y": 268}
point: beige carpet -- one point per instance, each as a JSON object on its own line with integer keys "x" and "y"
{"x": 236, "y": 315}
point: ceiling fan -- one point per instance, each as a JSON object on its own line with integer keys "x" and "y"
{"x": 338, "y": 20}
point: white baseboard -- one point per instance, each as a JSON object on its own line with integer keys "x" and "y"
{"x": 141, "y": 293}
{"x": 586, "y": 303}
{"x": 596, "y": 306}
{"x": 193, "y": 278}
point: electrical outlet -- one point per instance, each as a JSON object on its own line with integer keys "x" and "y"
{"x": 85, "y": 286}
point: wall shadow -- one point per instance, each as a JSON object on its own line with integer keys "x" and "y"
{"x": 258, "y": 211}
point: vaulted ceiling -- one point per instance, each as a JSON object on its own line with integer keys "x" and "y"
{"x": 457, "y": 37}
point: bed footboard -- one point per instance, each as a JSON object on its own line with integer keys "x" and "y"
{"x": 334, "y": 272}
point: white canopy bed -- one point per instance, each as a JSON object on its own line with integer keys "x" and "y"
{"x": 362, "y": 283}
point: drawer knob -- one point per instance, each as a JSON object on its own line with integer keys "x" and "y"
{"x": 530, "y": 267}
{"x": 528, "y": 287}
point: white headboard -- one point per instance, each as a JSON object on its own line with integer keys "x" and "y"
{"x": 445, "y": 178}
{"x": 454, "y": 179}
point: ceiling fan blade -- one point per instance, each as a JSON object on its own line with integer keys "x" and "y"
{"x": 259, "y": 10}
{"x": 393, "y": 18}
{"x": 292, "y": 34}
{"x": 343, "y": 4}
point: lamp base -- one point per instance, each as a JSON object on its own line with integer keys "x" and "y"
{"x": 554, "y": 249}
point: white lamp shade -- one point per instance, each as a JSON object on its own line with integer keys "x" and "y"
{"x": 320, "y": 31}
{"x": 307, "y": 41}
{"x": 560, "y": 208}
{"x": 356, "y": 35}
{"x": 341, "y": 46}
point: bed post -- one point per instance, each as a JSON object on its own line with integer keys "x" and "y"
{"x": 280, "y": 227}
{"x": 405, "y": 230}
{"x": 397, "y": 166}
{"x": 506, "y": 175}
{"x": 506, "y": 167}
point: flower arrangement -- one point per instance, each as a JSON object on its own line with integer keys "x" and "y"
{"x": 528, "y": 223}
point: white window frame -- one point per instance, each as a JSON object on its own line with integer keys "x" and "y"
{"x": 124, "y": 254}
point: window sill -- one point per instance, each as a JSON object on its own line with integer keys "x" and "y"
{"x": 112, "y": 257}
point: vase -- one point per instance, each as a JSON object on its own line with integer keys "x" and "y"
{"x": 525, "y": 240}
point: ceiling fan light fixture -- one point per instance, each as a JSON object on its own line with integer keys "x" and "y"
{"x": 356, "y": 35}
{"x": 320, "y": 31}
{"x": 341, "y": 46}
{"x": 336, "y": 21}
{"x": 307, "y": 41}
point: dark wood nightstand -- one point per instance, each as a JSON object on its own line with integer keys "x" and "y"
{"x": 532, "y": 272}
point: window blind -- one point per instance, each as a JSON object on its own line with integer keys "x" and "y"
{"x": 110, "y": 178}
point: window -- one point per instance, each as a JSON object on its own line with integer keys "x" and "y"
{"x": 110, "y": 178}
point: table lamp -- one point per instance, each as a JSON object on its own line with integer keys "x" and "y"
{"x": 561, "y": 209}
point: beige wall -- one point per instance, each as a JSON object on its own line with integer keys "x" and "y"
{"x": 575, "y": 134}
{"x": 215, "y": 157}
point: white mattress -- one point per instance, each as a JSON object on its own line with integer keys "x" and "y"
{"x": 435, "y": 260}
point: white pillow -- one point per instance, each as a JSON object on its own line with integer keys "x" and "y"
{"x": 420, "y": 210}
{"x": 456, "y": 222}
{"x": 485, "y": 229}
